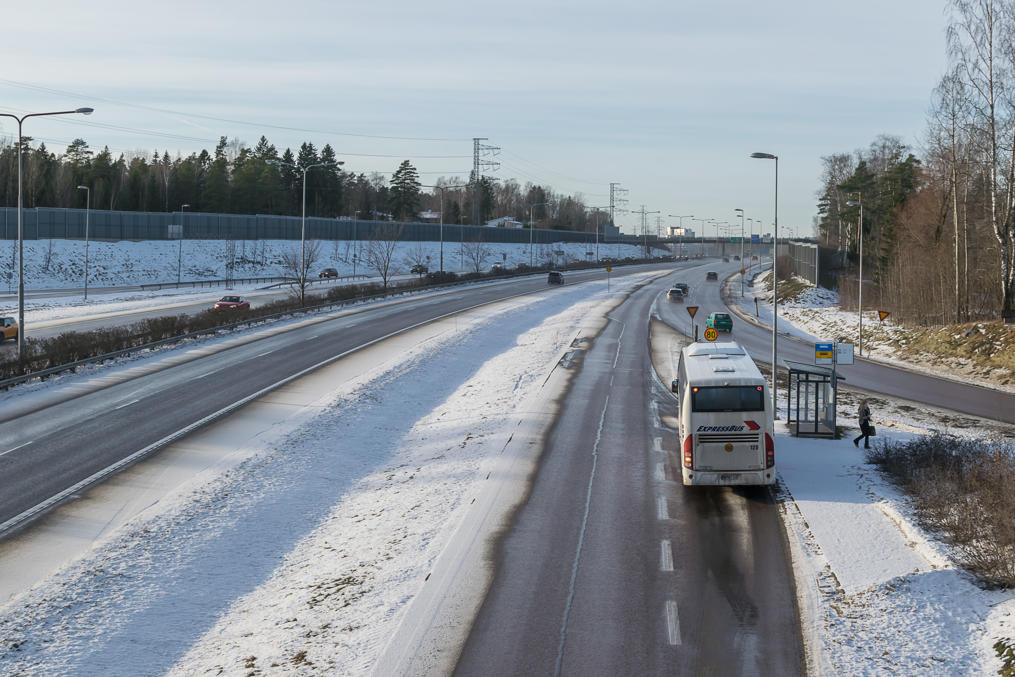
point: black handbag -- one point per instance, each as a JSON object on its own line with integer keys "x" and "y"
{"x": 872, "y": 431}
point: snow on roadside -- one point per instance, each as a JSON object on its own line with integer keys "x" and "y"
{"x": 301, "y": 559}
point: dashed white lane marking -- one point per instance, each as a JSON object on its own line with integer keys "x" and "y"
{"x": 672, "y": 623}
{"x": 16, "y": 448}
{"x": 660, "y": 472}
{"x": 665, "y": 556}
{"x": 657, "y": 444}
{"x": 267, "y": 352}
{"x": 127, "y": 404}
{"x": 662, "y": 510}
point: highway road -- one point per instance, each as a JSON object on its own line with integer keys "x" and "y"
{"x": 612, "y": 567}
{"x": 80, "y": 435}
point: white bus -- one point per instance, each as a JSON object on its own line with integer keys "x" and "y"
{"x": 726, "y": 427}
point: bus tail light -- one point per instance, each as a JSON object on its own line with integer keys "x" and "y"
{"x": 689, "y": 452}
{"x": 769, "y": 451}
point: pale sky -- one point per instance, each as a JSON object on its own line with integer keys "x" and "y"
{"x": 667, "y": 98}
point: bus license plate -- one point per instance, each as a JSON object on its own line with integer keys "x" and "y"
{"x": 729, "y": 476}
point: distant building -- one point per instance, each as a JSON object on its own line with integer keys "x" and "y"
{"x": 504, "y": 222}
{"x": 677, "y": 231}
{"x": 610, "y": 231}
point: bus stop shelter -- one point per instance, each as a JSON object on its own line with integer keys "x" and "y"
{"x": 812, "y": 394}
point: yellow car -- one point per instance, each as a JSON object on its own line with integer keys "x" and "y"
{"x": 8, "y": 328}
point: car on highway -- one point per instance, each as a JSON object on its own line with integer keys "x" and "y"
{"x": 675, "y": 294}
{"x": 232, "y": 303}
{"x": 554, "y": 277}
{"x": 683, "y": 287}
{"x": 712, "y": 275}
{"x": 327, "y": 272}
{"x": 725, "y": 259}
{"x": 754, "y": 258}
{"x": 8, "y": 328}
{"x": 719, "y": 322}
{"x": 419, "y": 269}
{"x": 736, "y": 258}
{"x": 496, "y": 267}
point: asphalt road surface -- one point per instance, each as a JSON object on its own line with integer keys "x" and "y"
{"x": 612, "y": 566}
{"x": 80, "y": 435}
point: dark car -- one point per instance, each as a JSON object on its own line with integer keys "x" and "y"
{"x": 736, "y": 258}
{"x": 720, "y": 322}
{"x": 327, "y": 272}
{"x": 419, "y": 269}
{"x": 683, "y": 287}
{"x": 232, "y": 303}
{"x": 711, "y": 275}
{"x": 725, "y": 259}
{"x": 554, "y": 277}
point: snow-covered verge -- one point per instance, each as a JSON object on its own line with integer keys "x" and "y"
{"x": 302, "y": 558}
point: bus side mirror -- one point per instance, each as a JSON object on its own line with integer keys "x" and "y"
{"x": 675, "y": 386}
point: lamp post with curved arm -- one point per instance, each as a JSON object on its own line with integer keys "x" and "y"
{"x": 775, "y": 276}
{"x": 442, "y": 189}
{"x": 21, "y": 234}
{"x": 303, "y": 216}
{"x": 88, "y": 202}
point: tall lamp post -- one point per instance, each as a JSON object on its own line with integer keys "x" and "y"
{"x": 775, "y": 276}
{"x": 859, "y": 228}
{"x": 88, "y": 202}
{"x": 303, "y": 217}
{"x": 21, "y": 234}
{"x": 442, "y": 189}
{"x": 738, "y": 209}
{"x": 681, "y": 218}
{"x": 179, "y": 250}
{"x": 538, "y": 204}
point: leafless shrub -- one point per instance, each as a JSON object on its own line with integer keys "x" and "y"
{"x": 961, "y": 489}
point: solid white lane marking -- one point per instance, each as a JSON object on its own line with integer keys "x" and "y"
{"x": 17, "y": 447}
{"x": 127, "y": 404}
{"x": 657, "y": 444}
{"x": 672, "y": 623}
{"x": 665, "y": 555}
{"x": 662, "y": 510}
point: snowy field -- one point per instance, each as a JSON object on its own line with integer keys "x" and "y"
{"x": 299, "y": 548}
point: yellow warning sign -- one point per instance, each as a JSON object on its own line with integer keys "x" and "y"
{"x": 691, "y": 310}
{"x": 883, "y": 314}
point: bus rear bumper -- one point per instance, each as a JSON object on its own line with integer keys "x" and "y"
{"x": 729, "y": 478}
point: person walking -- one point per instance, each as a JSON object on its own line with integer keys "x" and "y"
{"x": 863, "y": 414}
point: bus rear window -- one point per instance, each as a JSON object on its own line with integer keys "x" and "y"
{"x": 728, "y": 398}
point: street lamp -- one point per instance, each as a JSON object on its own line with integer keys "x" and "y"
{"x": 738, "y": 209}
{"x": 179, "y": 251}
{"x": 775, "y": 276}
{"x": 303, "y": 219}
{"x": 442, "y": 189}
{"x": 88, "y": 202}
{"x": 538, "y": 204}
{"x": 21, "y": 235}
{"x": 859, "y": 203}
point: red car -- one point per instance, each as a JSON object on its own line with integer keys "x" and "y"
{"x": 232, "y": 302}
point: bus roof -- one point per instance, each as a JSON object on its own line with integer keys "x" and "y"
{"x": 720, "y": 364}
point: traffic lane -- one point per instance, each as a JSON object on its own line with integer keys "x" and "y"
{"x": 655, "y": 588}
{"x": 519, "y": 627}
{"x": 46, "y": 452}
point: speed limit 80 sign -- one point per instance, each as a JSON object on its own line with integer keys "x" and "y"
{"x": 711, "y": 334}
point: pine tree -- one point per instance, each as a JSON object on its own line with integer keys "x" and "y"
{"x": 403, "y": 196}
